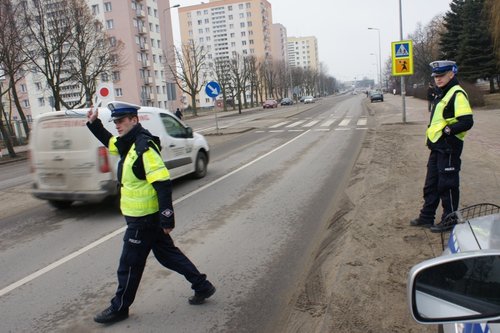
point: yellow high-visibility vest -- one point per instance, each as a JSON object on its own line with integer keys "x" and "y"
{"x": 138, "y": 196}
{"x": 438, "y": 122}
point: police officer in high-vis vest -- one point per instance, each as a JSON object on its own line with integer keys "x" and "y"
{"x": 451, "y": 118}
{"x": 146, "y": 203}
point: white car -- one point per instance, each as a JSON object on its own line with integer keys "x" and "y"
{"x": 461, "y": 288}
{"x": 69, "y": 164}
{"x": 308, "y": 99}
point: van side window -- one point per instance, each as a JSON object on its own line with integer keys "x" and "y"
{"x": 172, "y": 126}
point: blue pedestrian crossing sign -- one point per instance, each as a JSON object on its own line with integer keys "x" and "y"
{"x": 212, "y": 89}
{"x": 402, "y": 58}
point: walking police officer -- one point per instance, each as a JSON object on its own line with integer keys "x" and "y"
{"x": 146, "y": 203}
{"x": 451, "y": 118}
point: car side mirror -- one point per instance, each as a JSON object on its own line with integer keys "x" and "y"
{"x": 189, "y": 132}
{"x": 463, "y": 287}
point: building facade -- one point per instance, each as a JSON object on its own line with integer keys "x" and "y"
{"x": 279, "y": 43}
{"x": 303, "y": 52}
{"x": 226, "y": 28}
{"x": 145, "y": 29}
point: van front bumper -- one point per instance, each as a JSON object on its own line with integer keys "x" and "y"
{"x": 108, "y": 190}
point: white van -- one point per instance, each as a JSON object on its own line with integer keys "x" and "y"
{"x": 69, "y": 164}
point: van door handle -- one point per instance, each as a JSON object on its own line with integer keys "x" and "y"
{"x": 58, "y": 159}
{"x": 171, "y": 145}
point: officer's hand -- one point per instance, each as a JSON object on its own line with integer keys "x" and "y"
{"x": 92, "y": 114}
{"x": 167, "y": 230}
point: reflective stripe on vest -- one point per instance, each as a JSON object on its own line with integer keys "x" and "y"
{"x": 438, "y": 122}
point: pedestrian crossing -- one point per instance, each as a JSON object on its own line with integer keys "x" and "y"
{"x": 336, "y": 124}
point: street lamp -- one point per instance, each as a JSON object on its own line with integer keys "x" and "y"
{"x": 376, "y": 64}
{"x": 379, "y": 58}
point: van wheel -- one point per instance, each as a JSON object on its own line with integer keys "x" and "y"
{"x": 60, "y": 204}
{"x": 201, "y": 165}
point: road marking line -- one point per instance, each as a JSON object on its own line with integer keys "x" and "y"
{"x": 276, "y": 131}
{"x": 109, "y": 236}
{"x": 345, "y": 122}
{"x": 279, "y": 124}
{"x": 328, "y": 123}
{"x": 312, "y": 123}
{"x": 296, "y": 123}
{"x": 362, "y": 122}
{"x": 343, "y": 129}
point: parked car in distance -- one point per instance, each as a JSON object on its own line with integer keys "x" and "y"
{"x": 308, "y": 99}
{"x": 376, "y": 96}
{"x": 270, "y": 104}
{"x": 286, "y": 101}
{"x": 460, "y": 288}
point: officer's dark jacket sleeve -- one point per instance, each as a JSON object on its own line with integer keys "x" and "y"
{"x": 164, "y": 193}
{"x": 99, "y": 131}
{"x": 464, "y": 123}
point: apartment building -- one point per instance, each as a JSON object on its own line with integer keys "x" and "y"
{"x": 144, "y": 26}
{"x": 226, "y": 28}
{"x": 303, "y": 52}
{"x": 279, "y": 43}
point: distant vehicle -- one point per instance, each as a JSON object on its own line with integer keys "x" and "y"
{"x": 69, "y": 164}
{"x": 301, "y": 100}
{"x": 286, "y": 101}
{"x": 376, "y": 96}
{"x": 460, "y": 288}
{"x": 270, "y": 104}
{"x": 308, "y": 99}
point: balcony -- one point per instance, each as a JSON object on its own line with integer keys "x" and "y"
{"x": 144, "y": 47}
{"x": 140, "y": 13}
{"x": 146, "y": 63}
{"x": 148, "y": 80}
{"x": 142, "y": 30}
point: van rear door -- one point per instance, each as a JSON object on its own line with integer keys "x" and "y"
{"x": 67, "y": 158}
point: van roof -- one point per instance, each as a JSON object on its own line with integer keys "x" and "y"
{"x": 104, "y": 113}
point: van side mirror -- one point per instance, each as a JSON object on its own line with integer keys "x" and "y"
{"x": 463, "y": 287}
{"x": 189, "y": 132}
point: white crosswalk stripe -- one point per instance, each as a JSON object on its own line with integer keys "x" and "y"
{"x": 321, "y": 125}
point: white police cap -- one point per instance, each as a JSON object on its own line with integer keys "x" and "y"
{"x": 122, "y": 109}
{"x": 440, "y": 67}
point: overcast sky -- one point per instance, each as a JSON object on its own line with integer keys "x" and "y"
{"x": 341, "y": 27}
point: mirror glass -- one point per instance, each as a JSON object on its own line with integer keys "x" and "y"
{"x": 463, "y": 289}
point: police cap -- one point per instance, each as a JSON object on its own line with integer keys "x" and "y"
{"x": 122, "y": 109}
{"x": 440, "y": 67}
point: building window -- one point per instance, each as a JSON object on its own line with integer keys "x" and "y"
{"x": 249, "y": 23}
{"x": 26, "y": 103}
{"x": 116, "y": 76}
{"x": 242, "y": 24}
{"x": 104, "y": 77}
{"x": 240, "y": 6}
{"x": 118, "y": 92}
{"x": 229, "y": 7}
{"x": 41, "y": 101}
{"x": 230, "y": 17}
{"x": 95, "y": 9}
{"x": 107, "y": 7}
{"x": 243, "y": 42}
{"x": 23, "y": 88}
{"x": 200, "y": 22}
{"x": 38, "y": 86}
{"x": 109, "y": 24}
{"x": 248, "y": 4}
{"x": 243, "y": 33}
{"x": 242, "y": 15}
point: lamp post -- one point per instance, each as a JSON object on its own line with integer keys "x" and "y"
{"x": 376, "y": 65}
{"x": 379, "y": 58}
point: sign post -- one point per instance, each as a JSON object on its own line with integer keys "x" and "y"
{"x": 402, "y": 64}
{"x": 213, "y": 90}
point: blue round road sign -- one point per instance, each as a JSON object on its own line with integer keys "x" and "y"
{"x": 212, "y": 89}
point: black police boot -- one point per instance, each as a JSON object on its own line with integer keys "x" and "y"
{"x": 200, "y": 297}
{"x": 110, "y": 316}
{"x": 419, "y": 222}
{"x": 441, "y": 227}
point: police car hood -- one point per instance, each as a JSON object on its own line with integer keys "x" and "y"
{"x": 480, "y": 233}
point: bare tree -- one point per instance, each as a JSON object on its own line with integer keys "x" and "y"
{"x": 191, "y": 72}
{"x": 254, "y": 80}
{"x": 49, "y": 43}
{"x": 221, "y": 73}
{"x": 94, "y": 53}
{"x": 12, "y": 59}
{"x": 239, "y": 76}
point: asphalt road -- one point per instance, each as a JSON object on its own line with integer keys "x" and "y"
{"x": 250, "y": 225}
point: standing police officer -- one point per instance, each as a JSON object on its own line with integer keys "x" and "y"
{"x": 451, "y": 118}
{"x": 146, "y": 203}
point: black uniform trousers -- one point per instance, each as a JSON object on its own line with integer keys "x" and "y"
{"x": 442, "y": 182}
{"x": 140, "y": 238}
